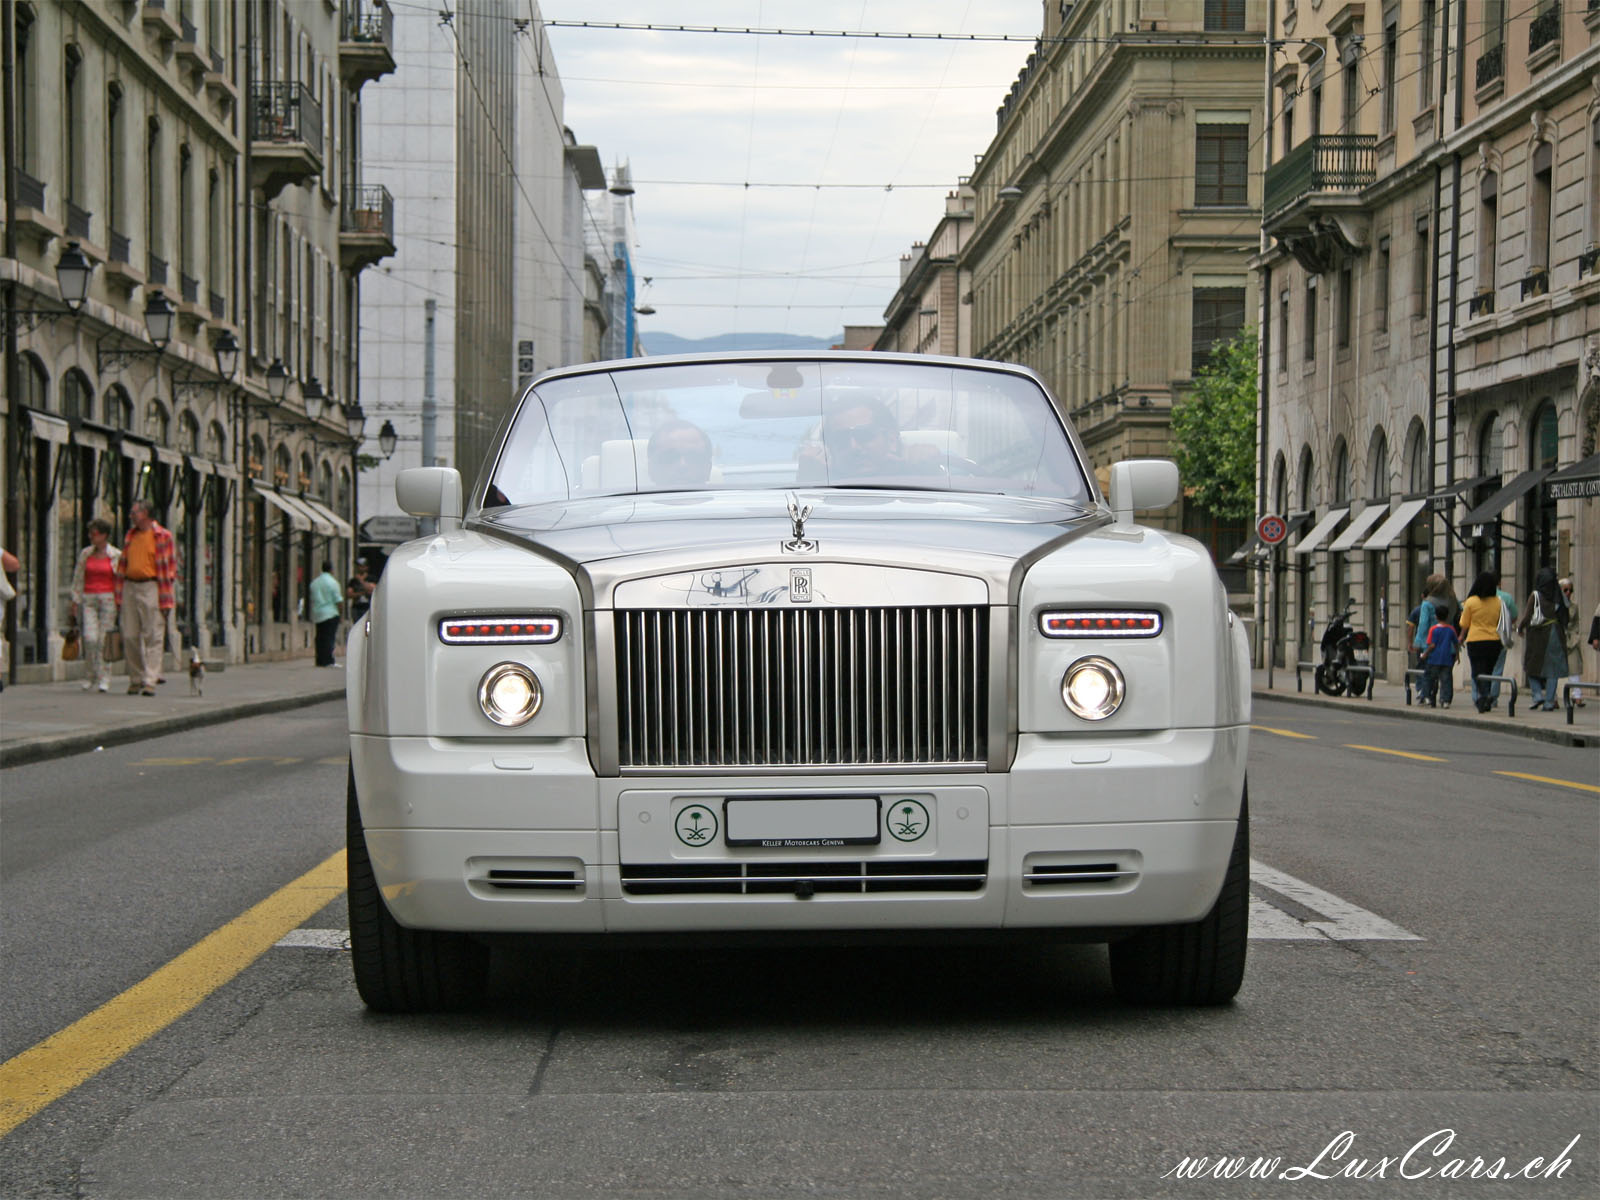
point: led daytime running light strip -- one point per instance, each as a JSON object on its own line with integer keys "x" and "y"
{"x": 1124, "y": 624}
{"x": 498, "y": 631}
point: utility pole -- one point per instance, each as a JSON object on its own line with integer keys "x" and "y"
{"x": 430, "y": 407}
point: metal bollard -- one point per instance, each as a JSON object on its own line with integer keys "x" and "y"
{"x": 1511, "y": 705}
{"x": 1566, "y": 695}
{"x": 1413, "y": 673}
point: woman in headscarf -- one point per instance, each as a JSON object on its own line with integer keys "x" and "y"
{"x": 1544, "y": 653}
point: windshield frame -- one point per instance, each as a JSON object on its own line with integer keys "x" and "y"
{"x": 614, "y": 370}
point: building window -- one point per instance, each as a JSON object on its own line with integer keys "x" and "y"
{"x": 1539, "y": 199}
{"x": 1381, "y": 286}
{"x": 1288, "y": 120}
{"x": 1218, "y": 317}
{"x": 118, "y": 408}
{"x": 1352, "y": 89}
{"x": 26, "y": 104}
{"x": 1345, "y": 306}
{"x": 1315, "y": 112}
{"x": 1311, "y": 319}
{"x": 1224, "y": 16}
{"x": 1221, "y": 165}
{"x": 1419, "y": 271}
{"x": 157, "y": 423}
{"x": 1488, "y": 235}
{"x": 152, "y": 190}
{"x": 1283, "y": 330}
{"x": 113, "y": 159}
{"x": 1425, "y": 54}
{"x": 72, "y": 125}
{"x": 1391, "y": 57}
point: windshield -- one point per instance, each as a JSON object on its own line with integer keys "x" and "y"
{"x": 707, "y": 426}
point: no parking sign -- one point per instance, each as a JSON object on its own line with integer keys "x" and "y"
{"x": 1272, "y": 529}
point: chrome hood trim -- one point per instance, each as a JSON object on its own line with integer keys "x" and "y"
{"x": 606, "y": 541}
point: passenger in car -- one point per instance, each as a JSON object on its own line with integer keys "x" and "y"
{"x": 679, "y": 455}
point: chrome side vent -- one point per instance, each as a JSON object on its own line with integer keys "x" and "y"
{"x": 515, "y": 880}
{"x": 770, "y": 687}
{"x": 769, "y": 878}
{"x": 532, "y": 877}
{"x": 1084, "y": 875}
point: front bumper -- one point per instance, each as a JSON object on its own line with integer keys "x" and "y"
{"x": 491, "y": 839}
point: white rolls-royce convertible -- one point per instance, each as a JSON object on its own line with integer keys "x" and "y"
{"x": 821, "y": 646}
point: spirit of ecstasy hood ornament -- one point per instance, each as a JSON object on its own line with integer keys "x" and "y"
{"x": 799, "y": 543}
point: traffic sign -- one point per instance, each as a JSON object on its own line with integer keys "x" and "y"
{"x": 1272, "y": 529}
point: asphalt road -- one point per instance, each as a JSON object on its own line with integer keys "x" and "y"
{"x": 1425, "y": 948}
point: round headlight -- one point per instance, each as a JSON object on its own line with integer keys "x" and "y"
{"x": 509, "y": 694}
{"x": 1092, "y": 688}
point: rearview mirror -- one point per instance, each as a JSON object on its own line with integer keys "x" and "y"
{"x": 1140, "y": 483}
{"x": 431, "y": 492}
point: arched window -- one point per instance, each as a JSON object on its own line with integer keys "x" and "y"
{"x": 304, "y": 478}
{"x": 35, "y": 391}
{"x": 77, "y": 396}
{"x": 114, "y": 169}
{"x": 1339, "y": 484}
{"x": 188, "y": 432}
{"x": 1305, "y": 481}
{"x": 1541, "y": 194}
{"x": 256, "y": 467}
{"x": 325, "y": 483}
{"x": 157, "y": 422}
{"x": 342, "y": 504}
{"x": 1491, "y": 449}
{"x": 117, "y": 408}
{"x": 72, "y": 125}
{"x": 1378, "y": 466}
{"x": 281, "y": 466}
{"x": 1280, "y": 485}
{"x": 1416, "y": 458}
{"x": 216, "y": 443}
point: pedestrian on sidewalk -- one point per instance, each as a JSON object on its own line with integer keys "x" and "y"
{"x": 359, "y": 592}
{"x": 149, "y": 571}
{"x": 1438, "y": 602}
{"x": 1509, "y": 617}
{"x": 8, "y": 566}
{"x": 326, "y": 595}
{"x": 1480, "y": 627}
{"x": 1574, "y": 643}
{"x": 1544, "y": 625}
{"x": 1442, "y": 652}
{"x": 94, "y": 601}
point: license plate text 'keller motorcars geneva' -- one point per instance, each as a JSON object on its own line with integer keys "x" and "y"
{"x": 824, "y": 646}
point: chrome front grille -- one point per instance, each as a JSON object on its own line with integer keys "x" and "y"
{"x": 766, "y": 687}
{"x": 768, "y": 878}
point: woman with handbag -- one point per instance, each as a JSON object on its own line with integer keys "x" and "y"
{"x": 1544, "y": 624}
{"x": 94, "y": 601}
{"x": 1480, "y": 627}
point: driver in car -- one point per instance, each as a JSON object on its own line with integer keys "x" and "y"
{"x": 679, "y": 455}
{"x": 861, "y": 440}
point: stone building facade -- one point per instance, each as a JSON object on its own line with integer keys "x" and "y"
{"x": 1114, "y": 213}
{"x": 188, "y": 152}
{"x": 1428, "y": 299}
{"x": 931, "y": 312}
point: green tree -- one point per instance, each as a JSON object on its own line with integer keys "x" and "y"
{"x": 1214, "y": 430}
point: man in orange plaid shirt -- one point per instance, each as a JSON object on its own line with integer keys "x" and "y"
{"x": 148, "y": 569}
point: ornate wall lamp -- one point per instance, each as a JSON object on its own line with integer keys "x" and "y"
{"x": 72, "y": 277}
{"x": 158, "y": 319}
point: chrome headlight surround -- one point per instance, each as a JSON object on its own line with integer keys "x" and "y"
{"x": 510, "y": 694}
{"x": 1093, "y": 688}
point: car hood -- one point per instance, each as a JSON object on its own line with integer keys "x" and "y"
{"x": 602, "y": 539}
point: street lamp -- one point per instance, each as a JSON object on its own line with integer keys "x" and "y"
{"x": 72, "y": 276}
{"x": 227, "y": 351}
{"x": 158, "y": 318}
{"x": 355, "y": 420}
{"x": 311, "y": 391}
{"x": 387, "y": 439}
{"x": 646, "y": 310}
{"x": 277, "y": 380}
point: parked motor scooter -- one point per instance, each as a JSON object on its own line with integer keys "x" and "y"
{"x": 1346, "y": 665}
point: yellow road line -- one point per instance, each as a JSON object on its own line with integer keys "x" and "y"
{"x": 44, "y": 1073}
{"x": 1396, "y": 753}
{"x": 1289, "y": 733}
{"x": 1582, "y": 787}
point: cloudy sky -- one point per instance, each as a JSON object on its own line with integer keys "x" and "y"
{"x": 699, "y": 116}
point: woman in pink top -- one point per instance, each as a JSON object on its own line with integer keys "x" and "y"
{"x": 94, "y": 601}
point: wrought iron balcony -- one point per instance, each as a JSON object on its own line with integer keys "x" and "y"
{"x": 1589, "y": 260}
{"x": 30, "y": 192}
{"x": 156, "y": 269}
{"x": 366, "y": 48}
{"x": 366, "y": 226}
{"x": 218, "y": 306}
{"x": 1546, "y": 27}
{"x": 121, "y": 248}
{"x": 1480, "y": 305}
{"x": 1491, "y": 65}
{"x": 285, "y": 135}
{"x": 189, "y": 288}
{"x": 78, "y": 221}
{"x": 1340, "y": 163}
{"x": 1535, "y": 283}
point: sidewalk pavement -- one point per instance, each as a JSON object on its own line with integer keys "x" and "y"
{"x": 1390, "y": 699}
{"x": 49, "y": 720}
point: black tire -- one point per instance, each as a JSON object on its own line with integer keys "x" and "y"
{"x": 1328, "y": 681}
{"x": 399, "y": 969}
{"x": 1198, "y": 963}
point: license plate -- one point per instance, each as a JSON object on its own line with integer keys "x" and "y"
{"x": 811, "y": 821}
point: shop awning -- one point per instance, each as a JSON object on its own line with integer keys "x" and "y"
{"x": 317, "y": 521}
{"x": 171, "y": 458}
{"x": 297, "y": 518}
{"x": 132, "y": 448}
{"x": 1491, "y": 508}
{"x": 1444, "y": 499}
{"x": 202, "y": 466}
{"x": 48, "y": 428}
{"x": 1359, "y": 524}
{"x": 340, "y": 525}
{"x": 1321, "y": 530}
{"x": 92, "y": 438}
{"x": 1580, "y": 481}
{"x": 1246, "y": 550}
{"x": 1400, "y": 517}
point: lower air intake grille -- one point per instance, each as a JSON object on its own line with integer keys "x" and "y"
{"x": 763, "y": 687}
{"x": 768, "y": 878}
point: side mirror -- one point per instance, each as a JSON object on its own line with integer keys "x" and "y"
{"x": 431, "y": 492}
{"x": 1139, "y": 483}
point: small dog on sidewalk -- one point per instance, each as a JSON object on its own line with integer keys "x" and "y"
{"x": 197, "y": 672}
